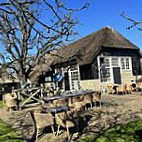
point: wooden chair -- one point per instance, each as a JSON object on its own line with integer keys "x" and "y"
{"x": 97, "y": 97}
{"x": 139, "y": 86}
{"x": 128, "y": 88}
{"x": 10, "y": 101}
{"x": 62, "y": 120}
{"x": 87, "y": 99}
{"x": 76, "y": 99}
{"x": 61, "y": 102}
{"x": 121, "y": 89}
{"x": 41, "y": 121}
{"x": 76, "y": 107}
{"x": 76, "y": 104}
{"x": 110, "y": 89}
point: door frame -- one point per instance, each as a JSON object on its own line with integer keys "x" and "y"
{"x": 68, "y": 69}
{"x": 120, "y": 75}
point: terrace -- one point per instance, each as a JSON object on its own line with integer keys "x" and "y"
{"x": 95, "y": 121}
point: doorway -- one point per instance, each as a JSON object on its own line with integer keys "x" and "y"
{"x": 116, "y": 75}
{"x": 67, "y": 83}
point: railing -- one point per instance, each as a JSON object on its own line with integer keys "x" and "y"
{"x": 29, "y": 94}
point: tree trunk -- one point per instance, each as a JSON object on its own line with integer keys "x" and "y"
{"x": 22, "y": 77}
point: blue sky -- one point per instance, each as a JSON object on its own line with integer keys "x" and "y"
{"x": 107, "y": 12}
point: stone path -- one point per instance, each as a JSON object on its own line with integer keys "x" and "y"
{"x": 116, "y": 109}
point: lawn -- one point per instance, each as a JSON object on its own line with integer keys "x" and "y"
{"x": 7, "y": 134}
{"x": 131, "y": 132}
{"x": 1, "y": 104}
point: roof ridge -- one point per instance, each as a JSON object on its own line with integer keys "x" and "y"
{"x": 89, "y": 45}
{"x": 105, "y": 27}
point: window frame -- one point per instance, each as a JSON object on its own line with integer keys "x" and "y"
{"x": 125, "y": 64}
{"x": 111, "y": 66}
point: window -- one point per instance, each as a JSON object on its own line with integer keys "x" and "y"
{"x": 73, "y": 68}
{"x": 122, "y": 64}
{"x": 75, "y": 79}
{"x": 107, "y": 62}
{"x": 105, "y": 70}
{"x": 71, "y": 77}
{"x": 115, "y": 62}
{"x": 105, "y": 75}
{"x": 48, "y": 79}
{"x": 125, "y": 63}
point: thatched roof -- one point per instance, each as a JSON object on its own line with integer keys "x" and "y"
{"x": 43, "y": 67}
{"x": 85, "y": 49}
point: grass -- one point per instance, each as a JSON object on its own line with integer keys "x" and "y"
{"x": 7, "y": 134}
{"x": 121, "y": 133}
{"x": 1, "y": 104}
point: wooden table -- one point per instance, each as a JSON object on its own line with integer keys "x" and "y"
{"x": 54, "y": 109}
{"x": 72, "y": 94}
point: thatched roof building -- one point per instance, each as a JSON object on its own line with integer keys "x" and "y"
{"x": 85, "y": 49}
{"x": 104, "y": 56}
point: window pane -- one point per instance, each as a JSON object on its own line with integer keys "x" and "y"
{"x": 127, "y": 63}
{"x": 107, "y": 62}
{"x": 115, "y": 62}
{"x": 105, "y": 75}
{"x": 108, "y": 75}
{"x": 73, "y": 67}
{"x": 122, "y": 64}
{"x": 75, "y": 79}
{"x": 48, "y": 79}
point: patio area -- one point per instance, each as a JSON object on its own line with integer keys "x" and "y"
{"x": 116, "y": 109}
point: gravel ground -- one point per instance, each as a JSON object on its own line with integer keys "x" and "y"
{"x": 116, "y": 109}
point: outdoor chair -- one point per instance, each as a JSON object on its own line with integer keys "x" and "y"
{"x": 62, "y": 102}
{"x": 128, "y": 88}
{"x": 41, "y": 121}
{"x": 87, "y": 100}
{"x": 110, "y": 89}
{"x": 121, "y": 89}
{"x": 76, "y": 107}
{"x": 59, "y": 102}
{"x": 53, "y": 103}
{"x": 97, "y": 97}
{"x": 10, "y": 101}
{"x": 139, "y": 86}
{"x": 77, "y": 104}
{"x": 76, "y": 99}
{"x": 62, "y": 120}
{"x": 50, "y": 92}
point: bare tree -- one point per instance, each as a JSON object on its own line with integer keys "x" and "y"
{"x": 134, "y": 23}
{"x": 24, "y": 31}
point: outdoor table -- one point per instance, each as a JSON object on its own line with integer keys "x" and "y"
{"x": 54, "y": 109}
{"x": 71, "y": 94}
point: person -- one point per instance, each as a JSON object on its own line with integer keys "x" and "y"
{"x": 51, "y": 90}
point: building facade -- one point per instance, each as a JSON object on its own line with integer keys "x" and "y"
{"x": 101, "y": 58}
